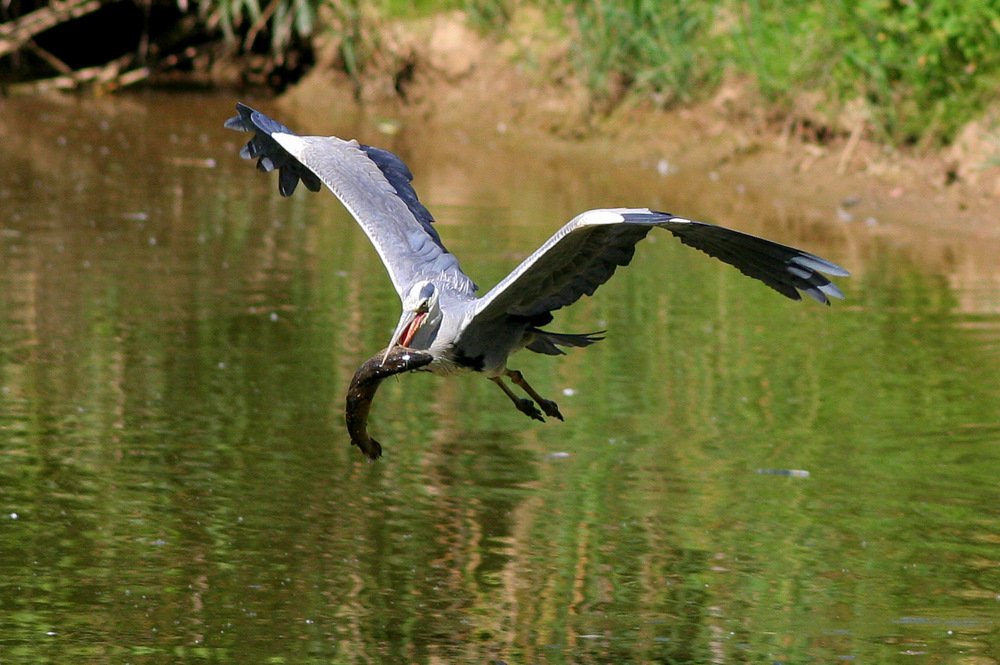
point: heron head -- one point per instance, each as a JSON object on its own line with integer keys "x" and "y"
{"x": 420, "y": 318}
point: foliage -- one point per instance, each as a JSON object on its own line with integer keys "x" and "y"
{"x": 489, "y": 14}
{"x": 243, "y": 20}
{"x": 645, "y": 45}
{"x": 923, "y": 69}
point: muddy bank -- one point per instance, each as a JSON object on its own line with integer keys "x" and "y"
{"x": 439, "y": 74}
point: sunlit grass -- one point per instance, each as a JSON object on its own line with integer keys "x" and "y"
{"x": 920, "y": 70}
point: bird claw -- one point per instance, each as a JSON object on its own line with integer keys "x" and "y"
{"x": 528, "y": 408}
{"x": 550, "y": 408}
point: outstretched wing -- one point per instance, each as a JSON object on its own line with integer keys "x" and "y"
{"x": 584, "y": 254}
{"x": 374, "y": 186}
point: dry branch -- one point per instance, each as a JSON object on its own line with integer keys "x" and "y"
{"x": 114, "y": 74}
{"x": 111, "y": 76}
{"x": 17, "y": 33}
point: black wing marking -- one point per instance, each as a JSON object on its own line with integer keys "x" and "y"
{"x": 373, "y": 184}
{"x": 271, "y": 156}
{"x": 785, "y": 269}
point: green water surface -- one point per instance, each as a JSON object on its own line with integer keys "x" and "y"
{"x": 176, "y": 484}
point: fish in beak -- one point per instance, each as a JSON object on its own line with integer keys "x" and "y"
{"x": 409, "y": 324}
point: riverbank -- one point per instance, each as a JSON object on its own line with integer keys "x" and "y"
{"x": 441, "y": 73}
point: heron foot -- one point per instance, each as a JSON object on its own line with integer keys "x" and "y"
{"x": 522, "y": 404}
{"x": 550, "y": 408}
{"x": 528, "y": 408}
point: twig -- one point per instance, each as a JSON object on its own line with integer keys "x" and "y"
{"x": 15, "y": 34}
{"x": 260, "y": 24}
{"x": 101, "y": 75}
{"x": 114, "y": 74}
{"x": 53, "y": 61}
{"x": 852, "y": 143}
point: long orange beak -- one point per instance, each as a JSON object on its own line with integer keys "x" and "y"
{"x": 411, "y": 329}
{"x": 407, "y": 327}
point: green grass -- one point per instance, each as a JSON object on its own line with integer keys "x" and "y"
{"x": 646, "y": 46}
{"x": 921, "y": 68}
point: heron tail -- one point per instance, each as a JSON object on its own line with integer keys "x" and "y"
{"x": 549, "y": 342}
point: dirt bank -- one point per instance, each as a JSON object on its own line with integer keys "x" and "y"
{"x": 439, "y": 72}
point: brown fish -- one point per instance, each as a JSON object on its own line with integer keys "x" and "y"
{"x": 364, "y": 385}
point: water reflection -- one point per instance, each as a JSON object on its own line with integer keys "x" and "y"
{"x": 177, "y": 486}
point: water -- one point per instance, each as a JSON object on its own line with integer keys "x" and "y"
{"x": 176, "y": 484}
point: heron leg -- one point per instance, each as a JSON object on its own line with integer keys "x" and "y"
{"x": 524, "y": 405}
{"x": 550, "y": 408}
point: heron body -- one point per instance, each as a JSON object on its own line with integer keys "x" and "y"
{"x": 442, "y": 315}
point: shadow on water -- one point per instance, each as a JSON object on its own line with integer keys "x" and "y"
{"x": 176, "y": 483}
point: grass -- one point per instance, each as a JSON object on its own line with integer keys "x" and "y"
{"x": 645, "y": 46}
{"x": 921, "y": 69}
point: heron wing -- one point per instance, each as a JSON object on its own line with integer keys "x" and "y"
{"x": 374, "y": 186}
{"x": 785, "y": 269}
{"x": 585, "y": 253}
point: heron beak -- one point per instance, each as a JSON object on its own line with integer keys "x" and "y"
{"x": 407, "y": 327}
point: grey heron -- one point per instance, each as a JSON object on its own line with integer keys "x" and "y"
{"x": 448, "y": 327}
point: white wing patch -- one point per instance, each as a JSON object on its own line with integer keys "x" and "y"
{"x": 599, "y": 217}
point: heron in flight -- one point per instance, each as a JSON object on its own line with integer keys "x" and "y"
{"x": 448, "y": 327}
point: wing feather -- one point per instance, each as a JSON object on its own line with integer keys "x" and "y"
{"x": 374, "y": 186}
{"x": 574, "y": 262}
{"x": 585, "y": 253}
{"x": 785, "y": 269}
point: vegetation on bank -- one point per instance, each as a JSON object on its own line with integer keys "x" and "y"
{"x": 918, "y": 69}
{"x": 913, "y": 71}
